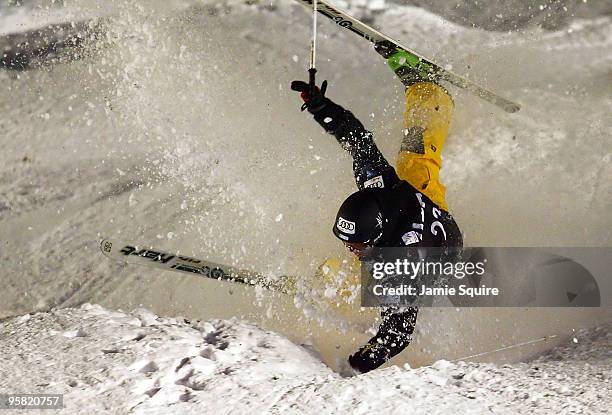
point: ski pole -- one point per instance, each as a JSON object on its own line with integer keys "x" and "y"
{"x": 313, "y": 49}
{"x": 312, "y": 70}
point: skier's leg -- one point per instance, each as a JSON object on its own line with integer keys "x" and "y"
{"x": 393, "y": 336}
{"x": 429, "y": 108}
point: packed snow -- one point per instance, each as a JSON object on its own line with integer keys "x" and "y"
{"x": 107, "y": 361}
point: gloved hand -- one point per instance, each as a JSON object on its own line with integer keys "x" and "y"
{"x": 314, "y": 98}
{"x": 368, "y": 358}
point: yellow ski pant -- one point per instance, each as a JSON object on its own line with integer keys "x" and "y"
{"x": 429, "y": 109}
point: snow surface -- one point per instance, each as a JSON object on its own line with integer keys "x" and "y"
{"x": 107, "y": 361}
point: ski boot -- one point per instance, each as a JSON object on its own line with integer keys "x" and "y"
{"x": 408, "y": 67}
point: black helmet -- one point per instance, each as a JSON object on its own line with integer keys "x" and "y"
{"x": 360, "y": 218}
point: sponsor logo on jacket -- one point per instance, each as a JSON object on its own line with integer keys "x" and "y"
{"x": 374, "y": 182}
{"x": 410, "y": 238}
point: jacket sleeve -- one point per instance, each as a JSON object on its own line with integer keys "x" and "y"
{"x": 370, "y": 167}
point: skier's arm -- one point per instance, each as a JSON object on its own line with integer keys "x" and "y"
{"x": 393, "y": 336}
{"x": 368, "y": 161}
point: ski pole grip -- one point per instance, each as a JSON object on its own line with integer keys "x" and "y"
{"x": 311, "y": 77}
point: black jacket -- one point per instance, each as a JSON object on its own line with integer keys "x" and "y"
{"x": 414, "y": 220}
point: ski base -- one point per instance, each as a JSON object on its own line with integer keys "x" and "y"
{"x": 156, "y": 258}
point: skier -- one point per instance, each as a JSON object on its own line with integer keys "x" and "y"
{"x": 404, "y": 206}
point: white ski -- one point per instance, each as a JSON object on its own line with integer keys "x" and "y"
{"x": 156, "y": 258}
{"x": 345, "y": 20}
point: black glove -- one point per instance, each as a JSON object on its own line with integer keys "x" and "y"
{"x": 394, "y": 334}
{"x": 314, "y": 98}
{"x": 368, "y": 358}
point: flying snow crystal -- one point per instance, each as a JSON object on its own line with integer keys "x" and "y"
{"x": 279, "y": 217}
{"x": 295, "y": 58}
{"x": 330, "y": 292}
{"x": 376, "y": 5}
{"x": 132, "y": 200}
{"x": 71, "y": 334}
{"x": 170, "y": 235}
